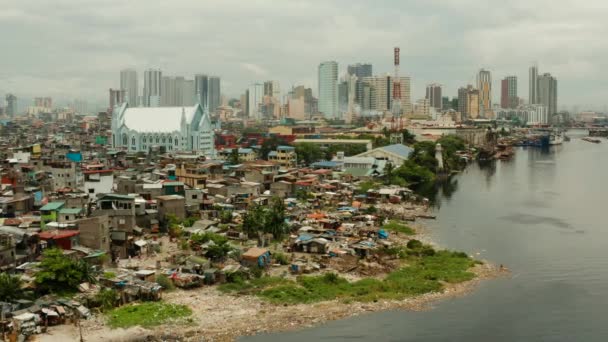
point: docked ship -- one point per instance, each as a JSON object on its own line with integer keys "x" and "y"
{"x": 556, "y": 138}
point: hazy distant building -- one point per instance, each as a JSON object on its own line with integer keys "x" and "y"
{"x": 468, "y": 102}
{"x": 508, "y": 92}
{"x": 177, "y": 91}
{"x": 11, "y": 105}
{"x": 533, "y": 84}
{"x": 360, "y": 70}
{"x": 547, "y": 92}
{"x": 129, "y": 83}
{"x": 433, "y": 94}
{"x": 80, "y": 106}
{"x": 300, "y": 103}
{"x": 255, "y": 97}
{"x": 484, "y": 85}
{"x": 378, "y": 94}
{"x": 422, "y": 108}
{"x": 328, "y": 89}
{"x": 215, "y": 96}
{"x": 117, "y": 97}
{"x": 44, "y": 102}
{"x": 152, "y": 88}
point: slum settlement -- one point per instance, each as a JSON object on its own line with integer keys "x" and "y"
{"x": 85, "y": 232}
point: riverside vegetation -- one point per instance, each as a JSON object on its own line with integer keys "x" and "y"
{"x": 424, "y": 270}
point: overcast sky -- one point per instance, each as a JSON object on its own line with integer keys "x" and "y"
{"x": 71, "y": 49}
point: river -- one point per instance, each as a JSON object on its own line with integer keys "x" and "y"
{"x": 541, "y": 215}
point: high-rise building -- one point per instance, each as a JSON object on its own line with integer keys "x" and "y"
{"x": 117, "y": 97}
{"x": 152, "y": 88}
{"x": 360, "y": 70}
{"x": 547, "y": 92}
{"x": 254, "y": 100}
{"x": 468, "y": 102}
{"x": 433, "y": 94}
{"x": 128, "y": 83}
{"x": 11, "y": 105}
{"x": 508, "y": 92}
{"x": 533, "y": 84}
{"x": 215, "y": 96}
{"x": 44, "y": 102}
{"x": 80, "y": 106}
{"x": 378, "y": 94}
{"x": 328, "y": 89}
{"x": 484, "y": 85}
{"x": 201, "y": 87}
{"x": 445, "y": 103}
{"x": 272, "y": 89}
{"x": 343, "y": 96}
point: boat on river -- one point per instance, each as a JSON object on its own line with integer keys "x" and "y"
{"x": 592, "y": 140}
{"x": 556, "y": 138}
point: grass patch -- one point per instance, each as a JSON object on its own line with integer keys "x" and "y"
{"x": 398, "y": 226}
{"x": 148, "y": 314}
{"x": 425, "y": 273}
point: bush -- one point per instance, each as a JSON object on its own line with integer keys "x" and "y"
{"x": 109, "y": 275}
{"x": 165, "y": 282}
{"x": 281, "y": 258}
{"x": 414, "y": 244}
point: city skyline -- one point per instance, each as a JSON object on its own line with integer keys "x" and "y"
{"x": 105, "y": 43}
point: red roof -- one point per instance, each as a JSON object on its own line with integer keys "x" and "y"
{"x": 96, "y": 171}
{"x": 58, "y": 234}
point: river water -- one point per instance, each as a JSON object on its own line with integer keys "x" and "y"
{"x": 543, "y": 215}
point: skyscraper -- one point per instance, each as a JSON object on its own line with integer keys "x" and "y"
{"x": 201, "y": 87}
{"x": 433, "y": 94}
{"x": 378, "y": 94}
{"x": 128, "y": 83}
{"x": 468, "y": 102}
{"x": 508, "y": 92}
{"x": 484, "y": 85}
{"x": 547, "y": 93}
{"x": 45, "y": 102}
{"x": 360, "y": 70}
{"x": 152, "y": 88}
{"x": 117, "y": 97}
{"x": 254, "y": 100}
{"x": 533, "y": 84}
{"x": 343, "y": 96}
{"x": 11, "y": 105}
{"x": 328, "y": 89}
{"x": 214, "y": 93}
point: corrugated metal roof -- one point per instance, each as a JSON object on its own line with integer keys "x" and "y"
{"x": 52, "y": 206}
{"x": 157, "y": 119}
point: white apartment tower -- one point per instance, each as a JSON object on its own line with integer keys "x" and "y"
{"x": 328, "y": 89}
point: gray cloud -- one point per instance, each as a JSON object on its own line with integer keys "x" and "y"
{"x": 74, "y": 49}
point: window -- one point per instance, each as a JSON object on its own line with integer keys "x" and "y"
{"x": 67, "y": 218}
{"x": 170, "y": 140}
{"x": 133, "y": 141}
{"x": 163, "y": 140}
{"x": 91, "y": 191}
{"x": 176, "y": 141}
{"x": 194, "y": 196}
{"x": 143, "y": 139}
{"x": 121, "y": 221}
{"x": 157, "y": 139}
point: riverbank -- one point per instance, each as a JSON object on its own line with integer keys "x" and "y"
{"x": 218, "y": 316}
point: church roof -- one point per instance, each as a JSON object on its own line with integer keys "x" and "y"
{"x": 157, "y": 119}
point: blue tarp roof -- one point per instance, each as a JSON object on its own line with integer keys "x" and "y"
{"x": 325, "y": 164}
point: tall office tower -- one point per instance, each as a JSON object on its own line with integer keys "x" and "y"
{"x": 11, "y": 105}
{"x": 547, "y": 92}
{"x": 44, "y": 102}
{"x": 254, "y": 100}
{"x": 533, "y": 84}
{"x": 188, "y": 93}
{"x": 215, "y": 95}
{"x": 272, "y": 89}
{"x": 201, "y": 87}
{"x": 360, "y": 70}
{"x": 152, "y": 88}
{"x": 128, "y": 83}
{"x": 117, "y": 97}
{"x": 508, "y": 92}
{"x": 484, "y": 85}
{"x": 328, "y": 89}
{"x": 445, "y": 103}
{"x": 378, "y": 93}
{"x": 433, "y": 94}
{"x": 343, "y": 96}
{"x": 80, "y": 106}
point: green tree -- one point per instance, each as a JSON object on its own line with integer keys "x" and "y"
{"x": 253, "y": 220}
{"x": 275, "y": 218}
{"x": 59, "y": 273}
{"x": 308, "y": 153}
{"x": 408, "y": 137}
{"x": 388, "y": 172}
{"x": 10, "y": 287}
{"x": 234, "y": 158}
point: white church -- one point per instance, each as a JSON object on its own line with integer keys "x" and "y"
{"x": 176, "y": 128}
